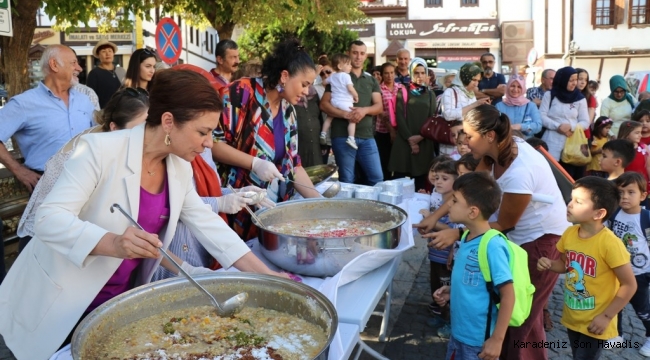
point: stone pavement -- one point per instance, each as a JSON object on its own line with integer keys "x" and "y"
{"x": 410, "y": 338}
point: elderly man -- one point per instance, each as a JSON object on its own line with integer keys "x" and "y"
{"x": 536, "y": 94}
{"x": 227, "y": 56}
{"x": 492, "y": 84}
{"x": 369, "y": 104}
{"x": 45, "y": 118}
{"x": 402, "y": 72}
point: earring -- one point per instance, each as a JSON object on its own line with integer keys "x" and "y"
{"x": 168, "y": 141}
{"x": 280, "y": 88}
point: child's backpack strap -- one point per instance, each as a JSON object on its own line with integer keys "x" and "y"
{"x": 645, "y": 223}
{"x": 613, "y": 217}
{"x": 485, "y": 270}
{"x": 522, "y": 286}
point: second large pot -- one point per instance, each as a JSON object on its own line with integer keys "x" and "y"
{"x": 313, "y": 256}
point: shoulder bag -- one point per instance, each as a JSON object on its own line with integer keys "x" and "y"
{"x": 438, "y": 129}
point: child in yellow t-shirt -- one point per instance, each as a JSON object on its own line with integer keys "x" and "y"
{"x": 599, "y": 280}
{"x": 599, "y": 136}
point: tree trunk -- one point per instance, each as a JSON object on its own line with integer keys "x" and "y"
{"x": 14, "y": 50}
{"x": 224, "y": 30}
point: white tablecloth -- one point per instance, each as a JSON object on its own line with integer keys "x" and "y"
{"x": 358, "y": 267}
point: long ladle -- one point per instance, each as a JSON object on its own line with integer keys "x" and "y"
{"x": 329, "y": 193}
{"x": 227, "y": 309}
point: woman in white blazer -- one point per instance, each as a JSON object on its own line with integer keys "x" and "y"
{"x": 79, "y": 244}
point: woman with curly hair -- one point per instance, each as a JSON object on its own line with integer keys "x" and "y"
{"x": 256, "y": 141}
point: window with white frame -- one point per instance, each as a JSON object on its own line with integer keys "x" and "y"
{"x": 432, "y": 3}
{"x": 468, "y": 2}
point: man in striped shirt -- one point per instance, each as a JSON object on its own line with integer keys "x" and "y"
{"x": 536, "y": 94}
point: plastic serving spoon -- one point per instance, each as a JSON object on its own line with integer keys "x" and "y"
{"x": 227, "y": 309}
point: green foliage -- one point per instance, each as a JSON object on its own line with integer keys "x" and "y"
{"x": 257, "y": 44}
{"x": 223, "y": 15}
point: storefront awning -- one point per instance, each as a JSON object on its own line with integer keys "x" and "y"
{"x": 393, "y": 48}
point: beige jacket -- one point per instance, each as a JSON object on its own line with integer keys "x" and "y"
{"x": 55, "y": 278}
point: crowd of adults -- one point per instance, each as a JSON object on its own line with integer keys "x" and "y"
{"x": 144, "y": 140}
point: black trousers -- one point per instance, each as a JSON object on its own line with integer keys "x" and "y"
{"x": 384, "y": 145}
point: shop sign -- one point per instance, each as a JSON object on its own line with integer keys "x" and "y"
{"x": 459, "y": 58}
{"x": 362, "y": 30}
{"x": 94, "y": 37}
{"x": 456, "y": 44}
{"x": 42, "y": 35}
{"x": 437, "y": 29}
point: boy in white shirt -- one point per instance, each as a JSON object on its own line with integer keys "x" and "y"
{"x": 631, "y": 224}
{"x": 343, "y": 95}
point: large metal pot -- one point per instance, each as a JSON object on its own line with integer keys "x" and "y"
{"x": 313, "y": 256}
{"x": 265, "y": 291}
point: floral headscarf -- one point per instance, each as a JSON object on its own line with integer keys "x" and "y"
{"x": 417, "y": 89}
{"x": 464, "y": 77}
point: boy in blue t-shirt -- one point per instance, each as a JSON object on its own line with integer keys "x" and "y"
{"x": 476, "y": 197}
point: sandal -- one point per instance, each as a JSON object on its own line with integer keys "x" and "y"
{"x": 548, "y": 322}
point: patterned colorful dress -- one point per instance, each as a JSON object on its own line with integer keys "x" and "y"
{"x": 246, "y": 124}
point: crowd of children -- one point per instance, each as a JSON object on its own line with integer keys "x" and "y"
{"x": 611, "y": 233}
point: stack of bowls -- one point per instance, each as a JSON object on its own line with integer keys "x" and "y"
{"x": 393, "y": 186}
{"x": 408, "y": 186}
{"x": 390, "y": 197}
{"x": 346, "y": 192}
{"x": 366, "y": 192}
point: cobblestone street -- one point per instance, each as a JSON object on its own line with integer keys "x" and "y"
{"x": 411, "y": 338}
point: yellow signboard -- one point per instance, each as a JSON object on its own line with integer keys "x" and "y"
{"x": 94, "y": 37}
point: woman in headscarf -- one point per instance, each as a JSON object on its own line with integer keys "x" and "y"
{"x": 411, "y": 153}
{"x": 459, "y": 98}
{"x": 619, "y": 104}
{"x": 310, "y": 122}
{"x": 562, "y": 109}
{"x": 523, "y": 115}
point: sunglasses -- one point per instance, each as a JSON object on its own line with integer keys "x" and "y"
{"x": 328, "y": 72}
{"x": 148, "y": 52}
{"x": 132, "y": 92}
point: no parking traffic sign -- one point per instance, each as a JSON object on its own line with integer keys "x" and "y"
{"x": 168, "y": 40}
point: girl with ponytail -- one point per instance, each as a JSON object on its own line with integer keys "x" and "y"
{"x": 532, "y": 211}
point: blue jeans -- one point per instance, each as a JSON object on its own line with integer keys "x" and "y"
{"x": 367, "y": 156}
{"x": 458, "y": 351}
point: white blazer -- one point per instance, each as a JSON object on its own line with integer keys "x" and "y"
{"x": 55, "y": 278}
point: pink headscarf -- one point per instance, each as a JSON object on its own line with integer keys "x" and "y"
{"x": 521, "y": 99}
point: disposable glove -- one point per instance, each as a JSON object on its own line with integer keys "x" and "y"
{"x": 261, "y": 199}
{"x": 232, "y": 203}
{"x": 266, "y": 170}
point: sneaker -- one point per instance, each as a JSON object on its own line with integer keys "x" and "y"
{"x": 615, "y": 343}
{"x": 436, "y": 322}
{"x": 645, "y": 349}
{"x": 353, "y": 144}
{"x": 323, "y": 138}
{"x": 445, "y": 331}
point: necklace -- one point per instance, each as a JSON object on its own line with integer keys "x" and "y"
{"x": 151, "y": 173}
